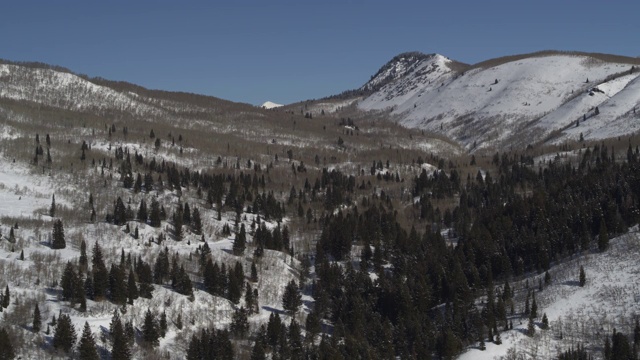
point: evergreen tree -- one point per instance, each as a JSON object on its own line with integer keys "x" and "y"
{"x": 240, "y": 323}
{"x": 150, "y": 333}
{"x": 52, "y": 209}
{"x": 291, "y": 299}
{"x": 68, "y": 282}
{"x": 258, "y": 352}
{"x": 154, "y": 216}
{"x": 531, "y": 327}
{"x": 163, "y": 324}
{"x": 100, "y": 274}
{"x": 120, "y": 348}
{"x": 58, "y": 241}
{"x": 239, "y": 243}
{"x": 87, "y": 346}
{"x": 196, "y": 221}
{"x": 37, "y": 319}
{"x": 583, "y": 277}
{"x": 145, "y": 277}
{"x": 254, "y": 272}
{"x": 142, "y": 211}
{"x": 6, "y": 348}
{"x": 603, "y": 236}
{"x": 83, "y": 262}
{"x": 545, "y": 322}
{"x": 65, "y": 335}
{"x": 132, "y": 288}
{"x": 117, "y": 285}
{"x": 6, "y": 298}
{"x": 534, "y": 307}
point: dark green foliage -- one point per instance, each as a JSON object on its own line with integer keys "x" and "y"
{"x": 291, "y": 299}
{"x": 142, "y": 212}
{"x": 196, "y": 222}
{"x": 87, "y": 345}
{"x": 162, "y": 324}
{"x": 150, "y": 333}
{"x": 239, "y": 243}
{"x": 5, "y": 299}
{"x": 240, "y": 323}
{"x": 65, "y": 334}
{"x": 620, "y": 347}
{"x": 145, "y": 278}
{"x": 120, "y": 345}
{"x": 603, "y": 236}
{"x": 210, "y": 344}
{"x": 119, "y": 212}
{"x": 100, "y": 274}
{"x": 132, "y": 288}
{"x": 583, "y": 277}
{"x": 7, "y": 351}
{"x": 83, "y": 261}
{"x": 575, "y": 354}
{"x": 155, "y": 216}
{"x": 117, "y": 285}
{"x": 37, "y": 319}
{"x": 545, "y": 322}
{"x": 258, "y": 352}
{"x": 58, "y": 241}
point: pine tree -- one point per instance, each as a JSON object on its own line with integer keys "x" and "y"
{"x": 150, "y": 333}
{"x": 240, "y": 323}
{"x": 583, "y": 277}
{"x": 37, "y": 319}
{"x": 58, "y": 241}
{"x": 534, "y": 307}
{"x": 545, "y": 322}
{"x": 120, "y": 349}
{"x": 83, "y": 262}
{"x": 132, "y": 289}
{"x": 531, "y": 327}
{"x": 254, "y": 272}
{"x": 258, "y": 352}
{"x": 603, "y": 236}
{"x": 196, "y": 221}
{"x": 162, "y": 328}
{"x": 239, "y": 243}
{"x": 87, "y": 345}
{"x": 52, "y": 209}
{"x": 291, "y": 299}
{"x": 6, "y": 298}
{"x": 100, "y": 274}
{"x": 154, "y": 216}
{"x": 6, "y": 348}
{"x": 65, "y": 335}
{"x": 142, "y": 212}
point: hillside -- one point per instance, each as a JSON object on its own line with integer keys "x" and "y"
{"x": 177, "y": 225}
{"x": 510, "y": 102}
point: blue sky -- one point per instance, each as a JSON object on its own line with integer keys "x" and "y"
{"x": 286, "y": 51}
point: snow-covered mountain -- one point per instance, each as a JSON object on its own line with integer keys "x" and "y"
{"x": 270, "y": 105}
{"x": 510, "y": 101}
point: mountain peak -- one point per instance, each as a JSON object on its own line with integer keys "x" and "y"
{"x": 399, "y": 66}
{"x": 270, "y": 105}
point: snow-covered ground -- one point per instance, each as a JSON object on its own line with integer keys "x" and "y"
{"x": 493, "y": 105}
{"x": 578, "y": 315}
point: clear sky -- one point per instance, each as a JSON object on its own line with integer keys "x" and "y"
{"x": 287, "y": 51}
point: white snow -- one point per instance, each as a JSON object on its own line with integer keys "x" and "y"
{"x": 270, "y": 105}
{"x": 473, "y": 107}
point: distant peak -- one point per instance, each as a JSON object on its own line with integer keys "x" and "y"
{"x": 270, "y": 105}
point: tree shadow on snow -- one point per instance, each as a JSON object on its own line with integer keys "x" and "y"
{"x": 571, "y": 283}
{"x": 274, "y": 310}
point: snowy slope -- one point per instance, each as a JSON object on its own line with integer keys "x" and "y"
{"x": 495, "y": 105}
{"x": 577, "y": 314}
